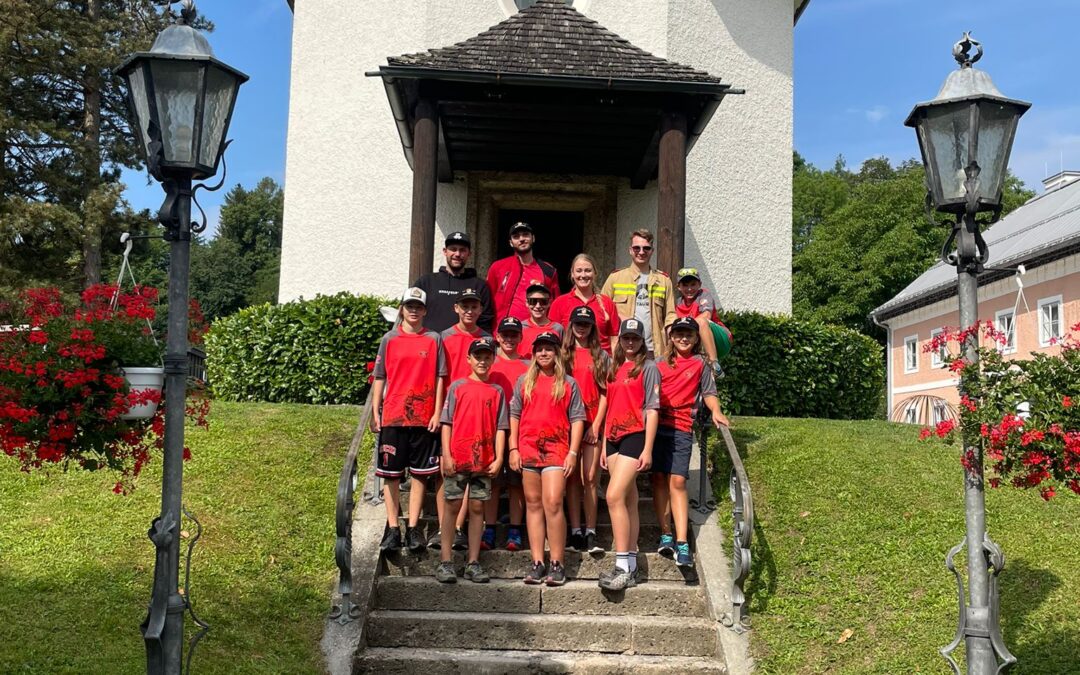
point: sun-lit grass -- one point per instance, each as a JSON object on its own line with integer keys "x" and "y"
{"x": 76, "y": 565}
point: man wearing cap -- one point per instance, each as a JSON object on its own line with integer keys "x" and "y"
{"x": 698, "y": 304}
{"x": 444, "y": 287}
{"x": 508, "y": 278}
{"x": 644, "y": 293}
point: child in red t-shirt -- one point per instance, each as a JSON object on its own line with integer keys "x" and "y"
{"x": 590, "y": 365}
{"x": 633, "y": 396}
{"x": 686, "y": 381}
{"x": 457, "y": 338}
{"x": 538, "y": 297}
{"x": 698, "y": 304}
{"x": 505, "y": 372}
{"x": 475, "y": 419}
{"x": 406, "y": 396}
{"x": 547, "y": 421}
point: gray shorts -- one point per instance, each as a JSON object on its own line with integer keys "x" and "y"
{"x": 541, "y": 469}
{"x": 479, "y": 486}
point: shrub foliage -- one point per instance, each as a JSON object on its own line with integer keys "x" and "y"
{"x": 307, "y": 351}
{"x": 785, "y": 367}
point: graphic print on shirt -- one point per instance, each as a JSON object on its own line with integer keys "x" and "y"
{"x": 629, "y": 397}
{"x": 476, "y": 411}
{"x": 409, "y": 364}
{"x": 682, "y": 389}
{"x": 544, "y": 423}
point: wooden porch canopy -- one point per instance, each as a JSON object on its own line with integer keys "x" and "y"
{"x": 549, "y": 90}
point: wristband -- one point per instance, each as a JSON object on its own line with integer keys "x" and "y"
{"x": 513, "y": 450}
{"x": 572, "y": 452}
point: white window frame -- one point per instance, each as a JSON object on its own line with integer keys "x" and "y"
{"x": 911, "y": 413}
{"x": 911, "y": 339}
{"x": 1046, "y": 302}
{"x": 939, "y": 412}
{"x": 1010, "y": 345}
{"x": 937, "y": 357}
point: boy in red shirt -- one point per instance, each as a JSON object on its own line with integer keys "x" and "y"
{"x": 475, "y": 420}
{"x": 505, "y": 373}
{"x": 457, "y": 338}
{"x": 407, "y": 395}
{"x": 539, "y": 299}
{"x": 698, "y": 304}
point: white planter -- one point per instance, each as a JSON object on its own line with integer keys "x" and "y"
{"x": 141, "y": 379}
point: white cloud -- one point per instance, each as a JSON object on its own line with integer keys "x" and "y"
{"x": 1047, "y": 140}
{"x": 873, "y": 115}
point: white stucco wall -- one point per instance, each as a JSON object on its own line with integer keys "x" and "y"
{"x": 348, "y": 187}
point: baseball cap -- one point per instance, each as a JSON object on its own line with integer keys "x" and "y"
{"x": 467, "y": 294}
{"x": 458, "y": 238}
{"x": 414, "y": 294}
{"x": 537, "y": 286}
{"x": 688, "y": 273}
{"x": 520, "y": 226}
{"x": 481, "y": 344}
{"x": 509, "y": 323}
{"x": 549, "y": 337}
{"x": 632, "y": 327}
{"x": 686, "y": 323}
{"x": 583, "y": 315}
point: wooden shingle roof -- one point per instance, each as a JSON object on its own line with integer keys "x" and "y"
{"x": 552, "y": 38}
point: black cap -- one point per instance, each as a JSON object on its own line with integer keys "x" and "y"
{"x": 458, "y": 238}
{"x": 467, "y": 294}
{"x": 583, "y": 315}
{"x": 480, "y": 345}
{"x": 537, "y": 286}
{"x": 550, "y": 337}
{"x": 509, "y": 323}
{"x": 632, "y": 326}
{"x": 685, "y": 322}
{"x": 520, "y": 226}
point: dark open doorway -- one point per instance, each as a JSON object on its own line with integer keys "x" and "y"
{"x": 560, "y": 235}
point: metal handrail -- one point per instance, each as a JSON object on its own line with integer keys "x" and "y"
{"x": 345, "y": 611}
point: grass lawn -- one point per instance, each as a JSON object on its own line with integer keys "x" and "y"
{"x": 853, "y": 523}
{"x": 76, "y": 566}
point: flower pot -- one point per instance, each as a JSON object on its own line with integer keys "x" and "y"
{"x": 142, "y": 379}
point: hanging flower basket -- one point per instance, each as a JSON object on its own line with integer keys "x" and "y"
{"x": 143, "y": 383}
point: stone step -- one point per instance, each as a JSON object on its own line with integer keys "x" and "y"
{"x": 653, "y": 635}
{"x": 656, "y": 598}
{"x": 648, "y": 534}
{"x": 401, "y": 661}
{"x": 502, "y": 564}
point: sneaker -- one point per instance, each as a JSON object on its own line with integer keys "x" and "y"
{"x": 435, "y": 540}
{"x": 683, "y": 556}
{"x": 575, "y": 542}
{"x": 461, "y": 541}
{"x": 487, "y": 542}
{"x": 476, "y": 574}
{"x": 391, "y": 540}
{"x": 556, "y": 575}
{"x": 413, "y": 540}
{"x": 590, "y": 543}
{"x": 536, "y": 573}
{"x": 616, "y": 580}
{"x": 513, "y": 539}
{"x": 445, "y": 573}
{"x": 666, "y": 547}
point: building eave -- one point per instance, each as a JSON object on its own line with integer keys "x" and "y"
{"x": 800, "y": 7}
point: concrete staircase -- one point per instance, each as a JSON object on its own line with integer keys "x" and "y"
{"x": 417, "y": 625}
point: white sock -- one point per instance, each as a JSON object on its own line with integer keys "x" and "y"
{"x": 632, "y": 558}
{"x": 591, "y": 530}
{"x": 622, "y": 561}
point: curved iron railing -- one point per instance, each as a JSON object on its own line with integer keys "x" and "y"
{"x": 344, "y": 611}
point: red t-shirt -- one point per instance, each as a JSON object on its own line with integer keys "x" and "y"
{"x": 583, "y": 374}
{"x": 475, "y": 411}
{"x": 682, "y": 389}
{"x": 455, "y": 343}
{"x": 603, "y": 307}
{"x": 505, "y": 372}
{"x": 409, "y": 363}
{"x": 702, "y": 303}
{"x": 529, "y": 331}
{"x": 629, "y": 398}
{"x": 544, "y": 423}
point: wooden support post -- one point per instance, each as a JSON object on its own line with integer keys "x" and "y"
{"x": 425, "y": 188}
{"x": 671, "y": 205}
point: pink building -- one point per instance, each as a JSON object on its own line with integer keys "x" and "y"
{"x": 1034, "y": 309}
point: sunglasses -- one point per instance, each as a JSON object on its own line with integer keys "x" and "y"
{"x": 641, "y": 249}
{"x": 538, "y": 301}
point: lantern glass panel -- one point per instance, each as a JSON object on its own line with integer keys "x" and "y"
{"x": 220, "y": 91}
{"x": 996, "y": 124}
{"x": 137, "y": 86}
{"x": 946, "y": 130}
{"x": 177, "y": 88}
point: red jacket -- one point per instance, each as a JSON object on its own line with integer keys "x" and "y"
{"x": 504, "y": 280}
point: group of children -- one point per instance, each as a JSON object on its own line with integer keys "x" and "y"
{"x": 538, "y": 411}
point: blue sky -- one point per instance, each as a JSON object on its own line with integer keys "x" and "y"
{"x": 860, "y": 65}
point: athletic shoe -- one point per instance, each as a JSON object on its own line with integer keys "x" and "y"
{"x": 413, "y": 540}
{"x": 556, "y": 575}
{"x": 391, "y": 540}
{"x": 445, "y": 573}
{"x": 683, "y": 556}
{"x": 536, "y": 573}
{"x": 513, "y": 539}
{"x": 666, "y": 547}
{"x": 487, "y": 542}
{"x": 575, "y": 542}
{"x": 476, "y": 574}
{"x": 461, "y": 541}
{"x": 616, "y": 580}
{"x": 590, "y": 543}
{"x": 435, "y": 540}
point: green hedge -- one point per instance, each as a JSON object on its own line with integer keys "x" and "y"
{"x": 784, "y": 367}
{"x": 307, "y": 351}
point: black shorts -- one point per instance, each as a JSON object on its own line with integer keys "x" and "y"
{"x": 671, "y": 451}
{"x": 406, "y": 448}
{"x": 630, "y": 445}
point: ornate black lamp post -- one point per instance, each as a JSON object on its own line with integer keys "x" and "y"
{"x": 181, "y": 100}
{"x": 965, "y": 135}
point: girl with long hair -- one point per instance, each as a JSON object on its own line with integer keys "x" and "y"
{"x": 586, "y": 293}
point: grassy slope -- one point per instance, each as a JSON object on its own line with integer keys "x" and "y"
{"x": 881, "y": 511}
{"x": 76, "y": 566}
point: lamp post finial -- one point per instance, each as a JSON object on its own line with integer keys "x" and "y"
{"x": 961, "y": 50}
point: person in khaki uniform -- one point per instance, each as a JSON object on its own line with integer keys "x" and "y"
{"x": 644, "y": 293}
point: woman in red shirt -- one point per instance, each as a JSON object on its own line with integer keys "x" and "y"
{"x": 547, "y": 421}
{"x": 590, "y": 366}
{"x": 633, "y": 397}
{"x": 586, "y": 294}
